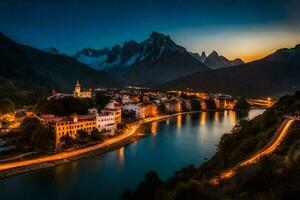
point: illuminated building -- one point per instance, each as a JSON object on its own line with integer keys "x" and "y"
{"x": 136, "y": 109}
{"x": 106, "y": 123}
{"x": 141, "y": 111}
{"x": 151, "y": 110}
{"x": 173, "y": 106}
{"x": 49, "y": 119}
{"x": 81, "y": 94}
{"x": 203, "y": 105}
{"x": 113, "y": 108}
{"x": 71, "y": 124}
{"x": 187, "y": 105}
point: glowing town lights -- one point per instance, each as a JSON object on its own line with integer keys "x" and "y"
{"x": 121, "y": 154}
{"x": 216, "y": 116}
{"x": 179, "y": 121}
{"x": 203, "y": 118}
{"x": 154, "y": 128}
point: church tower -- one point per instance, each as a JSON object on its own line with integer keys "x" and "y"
{"x": 77, "y": 89}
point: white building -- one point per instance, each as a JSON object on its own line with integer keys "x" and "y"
{"x": 113, "y": 108}
{"x": 105, "y": 122}
{"x": 138, "y": 110}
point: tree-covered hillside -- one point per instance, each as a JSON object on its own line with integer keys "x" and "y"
{"x": 274, "y": 177}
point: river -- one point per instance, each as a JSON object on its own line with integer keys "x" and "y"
{"x": 172, "y": 144}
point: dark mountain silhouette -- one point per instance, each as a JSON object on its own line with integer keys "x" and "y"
{"x": 162, "y": 60}
{"x": 260, "y": 78}
{"x": 216, "y": 61}
{"x": 36, "y": 71}
{"x": 138, "y": 62}
{"x": 286, "y": 55}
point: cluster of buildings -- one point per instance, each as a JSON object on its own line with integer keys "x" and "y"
{"x": 105, "y": 121}
{"x": 140, "y": 111}
{"x": 77, "y": 93}
{"x": 132, "y": 102}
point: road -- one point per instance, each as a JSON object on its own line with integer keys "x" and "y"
{"x": 129, "y": 132}
{"x": 260, "y": 103}
{"x": 268, "y": 149}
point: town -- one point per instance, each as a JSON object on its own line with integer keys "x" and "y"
{"x": 115, "y": 110}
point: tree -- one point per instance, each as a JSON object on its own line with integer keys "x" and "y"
{"x": 147, "y": 188}
{"x": 65, "y": 106}
{"x": 162, "y": 108}
{"x": 101, "y": 100}
{"x": 35, "y": 135}
{"x": 7, "y": 106}
{"x": 42, "y": 138}
{"x": 82, "y": 136}
{"x": 195, "y": 104}
{"x": 96, "y": 135}
{"x": 210, "y": 104}
{"x": 67, "y": 141}
{"x": 242, "y": 104}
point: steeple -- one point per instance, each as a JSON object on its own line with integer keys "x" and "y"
{"x": 77, "y": 89}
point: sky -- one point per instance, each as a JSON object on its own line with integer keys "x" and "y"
{"x": 247, "y": 29}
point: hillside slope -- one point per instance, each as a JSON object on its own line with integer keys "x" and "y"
{"x": 275, "y": 177}
{"x": 39, "y": 72}
{"x": 255, "y": 79}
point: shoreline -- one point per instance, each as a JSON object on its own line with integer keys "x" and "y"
{"x": 96, "y": 152}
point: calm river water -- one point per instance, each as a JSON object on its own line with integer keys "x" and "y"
{"x": 171, "y": 145}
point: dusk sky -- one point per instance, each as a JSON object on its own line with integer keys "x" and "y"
{"x": 235, "y": 28}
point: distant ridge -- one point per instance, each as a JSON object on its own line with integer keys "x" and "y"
{"x": 274, "y": 75}
{"x": 37, "y": 72}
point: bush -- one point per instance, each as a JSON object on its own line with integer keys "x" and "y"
{"x": 242, "y": 104}
{"x": 6, "y": 106}
{"x": 82, "y": 136}
{"x": 96, "y": 135}
{"x": 65, "y": 106}
{"x": 34, "y": 134}
{"x": 67, "y": 141}
{"x": 210, "y": 104}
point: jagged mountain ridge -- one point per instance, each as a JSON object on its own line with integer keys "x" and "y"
{"x": 162, "y": 60}
{"x": 119, "y": 59}
{"x": 216, "y": 61}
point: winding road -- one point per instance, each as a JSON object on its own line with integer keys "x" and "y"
{"x": 59, "y": 156}
{"x": 268, "y": 149}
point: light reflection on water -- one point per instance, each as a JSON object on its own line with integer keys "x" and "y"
{"x": 171, "y": 145}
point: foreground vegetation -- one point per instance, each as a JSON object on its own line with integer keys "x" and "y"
{"x": 276, "y": 177}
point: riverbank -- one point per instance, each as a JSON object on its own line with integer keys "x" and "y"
{"x": 132, "y": 135}
{"x": 259, "y": 161}
{"x": 90, "y": 151}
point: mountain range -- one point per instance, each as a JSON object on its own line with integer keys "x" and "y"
{"x": 156, "y": 60}
{"x": 29, "y": 72}
{"x": 274, "y": 75}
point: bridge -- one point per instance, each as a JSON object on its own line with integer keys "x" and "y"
{"x": 268, "y": 149}
{"x": 260, "y": 103}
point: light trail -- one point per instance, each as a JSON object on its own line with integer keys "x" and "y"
{"x": 267, "y": 150}
{"x": 65, "y": 155}
{"x": 259, "y": 102}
